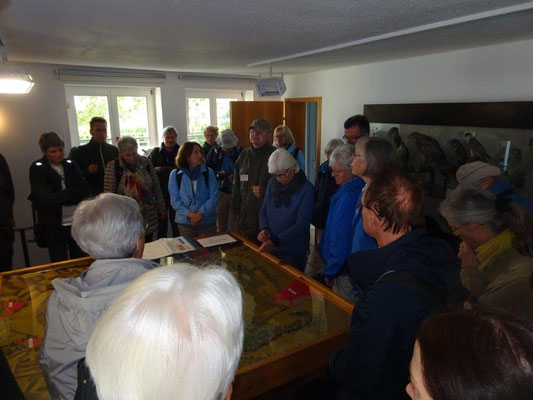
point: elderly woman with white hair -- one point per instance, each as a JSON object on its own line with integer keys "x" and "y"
{"x": 285, "y": 215}
{"x": 110, "y": 229}
{"x": 337, "y": 238}
{"x": 134, "y": 176}
{"x": 174, "y": 333}
{"x": 221, "y": 159}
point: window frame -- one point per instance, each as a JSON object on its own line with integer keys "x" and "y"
{"x": 212, "y": 95}
{"x": 111, "y": 92}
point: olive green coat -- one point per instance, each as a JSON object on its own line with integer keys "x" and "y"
{"x": 251, "y": 169}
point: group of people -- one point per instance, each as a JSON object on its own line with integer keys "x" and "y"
{"x": 375, "y": 249}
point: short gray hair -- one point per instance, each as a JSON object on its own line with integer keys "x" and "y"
{"x": 108, "y": 226}
{"x": 332, "y": 145}
{"x": 378, "y": 153}
{"x": 341, "y": 156}
{"x": 174, "y": 330}
{"x": 227, "y": 139}
{"x": 168, "y": 129}
{"x": 127, "y": 143}
{"x": 280, "y": 161}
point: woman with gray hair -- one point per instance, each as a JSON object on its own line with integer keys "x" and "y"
{"x": 174, "y": 333}
{"x": 325, "y": 187}
{"x": 134, "y": 176}
{"x": 337, "y": 239}
{"x": 496, "y": 251}
{"x": 221, "y": 159}
{"x": 111, "y": 230}
{"x": 285, "y": 215}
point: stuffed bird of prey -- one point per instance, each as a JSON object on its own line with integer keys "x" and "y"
{"x": 393, "y": 136}
{"x": 431, "y": 155}
{"x": 477, "y": 150}
{"x": 459, "y": 153}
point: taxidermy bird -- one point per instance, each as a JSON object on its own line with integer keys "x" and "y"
{"x": 393, "y": 136}
{"x": 431, "y": 155}
{"x": 477, "y": 150}
{"x": 460, "y": 154}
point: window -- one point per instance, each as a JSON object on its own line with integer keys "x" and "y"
{"x": 210, "y": 107}
{"x": 129, "y": 112}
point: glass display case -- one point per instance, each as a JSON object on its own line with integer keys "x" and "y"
{"x": 292, "y": 323}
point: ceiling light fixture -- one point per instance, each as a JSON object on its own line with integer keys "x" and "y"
{"x": 271, "y": 86}
{"x": 13, "y": 79}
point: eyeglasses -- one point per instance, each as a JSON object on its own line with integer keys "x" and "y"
{"x": 455, "y": 229}
{"x": 283, "y": 175}
{"x": 333, "y": 172}
{"x": 371, "y": 209}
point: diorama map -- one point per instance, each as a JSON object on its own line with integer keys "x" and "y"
{"x": 280, "y": 312}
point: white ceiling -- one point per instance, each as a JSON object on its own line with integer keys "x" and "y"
{"x": 227, "y": 36}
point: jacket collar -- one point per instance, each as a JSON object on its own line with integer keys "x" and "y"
{"x": 367, "y": 266}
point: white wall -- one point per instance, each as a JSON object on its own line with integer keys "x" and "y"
{"x": 501, "y": 72}
{"x": 24, "y": 117}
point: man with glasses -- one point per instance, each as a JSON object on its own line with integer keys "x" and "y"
{"x": 409, "y": 276}
{"x": 251, "y": 178}
{"x": 355, "y": 127}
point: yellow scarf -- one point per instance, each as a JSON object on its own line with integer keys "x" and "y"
{"x": 488, "y": 251}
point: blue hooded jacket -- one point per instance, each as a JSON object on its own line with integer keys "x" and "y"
{"x": 184, "y": 199}
{"x": 375, "y": 362}
{"x": 336, "y": 243}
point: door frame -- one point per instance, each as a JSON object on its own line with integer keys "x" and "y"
{"x": 317, "y": 100}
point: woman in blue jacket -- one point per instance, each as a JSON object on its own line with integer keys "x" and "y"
{"x": 336, "y": 241}
{"x": 193, "y": 192}
{"x": 286, "y": 212}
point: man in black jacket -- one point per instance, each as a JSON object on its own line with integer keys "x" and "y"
{"x": 93, "y": 157}
{"x": 408, "y": 277}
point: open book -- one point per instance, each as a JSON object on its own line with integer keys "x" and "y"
{"x": 166, "y": 247}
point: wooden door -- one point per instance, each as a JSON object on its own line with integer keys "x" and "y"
{"x": 242, "y": 113}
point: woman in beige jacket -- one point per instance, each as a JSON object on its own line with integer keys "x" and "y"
{"x": 497, "y": 248}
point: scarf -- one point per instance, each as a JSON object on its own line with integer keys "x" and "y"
{"x": 283, "y": 192}
{"x": 135, "y": 187}
{"x": 488, "y": 251}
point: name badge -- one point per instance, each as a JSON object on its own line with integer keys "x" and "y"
{"x": 244, "y": 178}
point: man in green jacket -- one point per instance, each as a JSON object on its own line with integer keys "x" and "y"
{"x": 251, "y": 178}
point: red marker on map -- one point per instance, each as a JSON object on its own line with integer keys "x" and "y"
{"x": 295, "y": 290}
{"x": 12, "y": 306}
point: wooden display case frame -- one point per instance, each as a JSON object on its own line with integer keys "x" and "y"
{"x": 255, "y": 379}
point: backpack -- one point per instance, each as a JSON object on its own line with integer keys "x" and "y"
{"x": 205, "y": 173}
